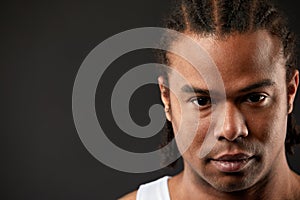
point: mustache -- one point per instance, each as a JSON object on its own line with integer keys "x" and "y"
{"x": 237, "y": 146}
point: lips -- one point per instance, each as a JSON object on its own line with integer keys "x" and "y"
{"x": 231, "y": 162}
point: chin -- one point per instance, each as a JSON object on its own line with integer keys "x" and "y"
{"x": 232, "y": 183}
{"x": 230, "y": 187}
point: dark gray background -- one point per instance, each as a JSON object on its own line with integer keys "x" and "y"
{"x": 43, "y": 43}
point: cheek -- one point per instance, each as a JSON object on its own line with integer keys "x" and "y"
{"x": 189, "y": 129}
{"x": 175, "y": 112}
{"x": 269, "y": 126}
{"x": 200, "y": 134}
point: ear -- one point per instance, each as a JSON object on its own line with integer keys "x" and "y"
{"x": 165, "y": 96}
{"x": 292, "y": 90}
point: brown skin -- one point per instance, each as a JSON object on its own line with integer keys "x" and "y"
{"x": 254, "y": 124}
{"x": 130, "y": 196}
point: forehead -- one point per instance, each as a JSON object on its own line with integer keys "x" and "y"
{"x": 240, "y": 57}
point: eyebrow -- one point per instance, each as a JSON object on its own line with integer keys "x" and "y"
{"x": 189, "y": 89}
{"x": 263, "y": 83}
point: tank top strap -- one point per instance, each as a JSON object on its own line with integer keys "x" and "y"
{"x": 156, "y": 190}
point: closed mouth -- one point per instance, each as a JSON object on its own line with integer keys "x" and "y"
{"x": 233, "y": 157}
{"x": 231, "y": 162}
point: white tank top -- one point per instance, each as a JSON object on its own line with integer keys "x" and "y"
{"x": 156, "y": 190}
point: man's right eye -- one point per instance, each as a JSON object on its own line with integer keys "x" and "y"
{"x": 202, "y": 101}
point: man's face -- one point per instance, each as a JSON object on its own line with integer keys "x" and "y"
{"x": 251, "y": 129}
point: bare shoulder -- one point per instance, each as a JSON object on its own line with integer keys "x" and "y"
{"x": 130, "y": 196}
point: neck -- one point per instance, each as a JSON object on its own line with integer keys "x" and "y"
{"x": 279, "y": 183}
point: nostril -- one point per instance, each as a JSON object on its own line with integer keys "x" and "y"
{"x": 234, "y": 124}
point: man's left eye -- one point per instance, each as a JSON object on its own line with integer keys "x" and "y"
{"x": 256, "y": 98}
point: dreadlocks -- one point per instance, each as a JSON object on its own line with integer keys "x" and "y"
{"x": 222, "y": 18}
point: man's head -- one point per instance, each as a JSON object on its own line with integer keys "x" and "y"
{"x": 253, "y": 49}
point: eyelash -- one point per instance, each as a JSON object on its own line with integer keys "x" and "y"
{"x": 261, "y": 98}
{"x": 206, "y": 101}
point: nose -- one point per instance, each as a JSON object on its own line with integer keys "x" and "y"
{"x": 234, "y": 124}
